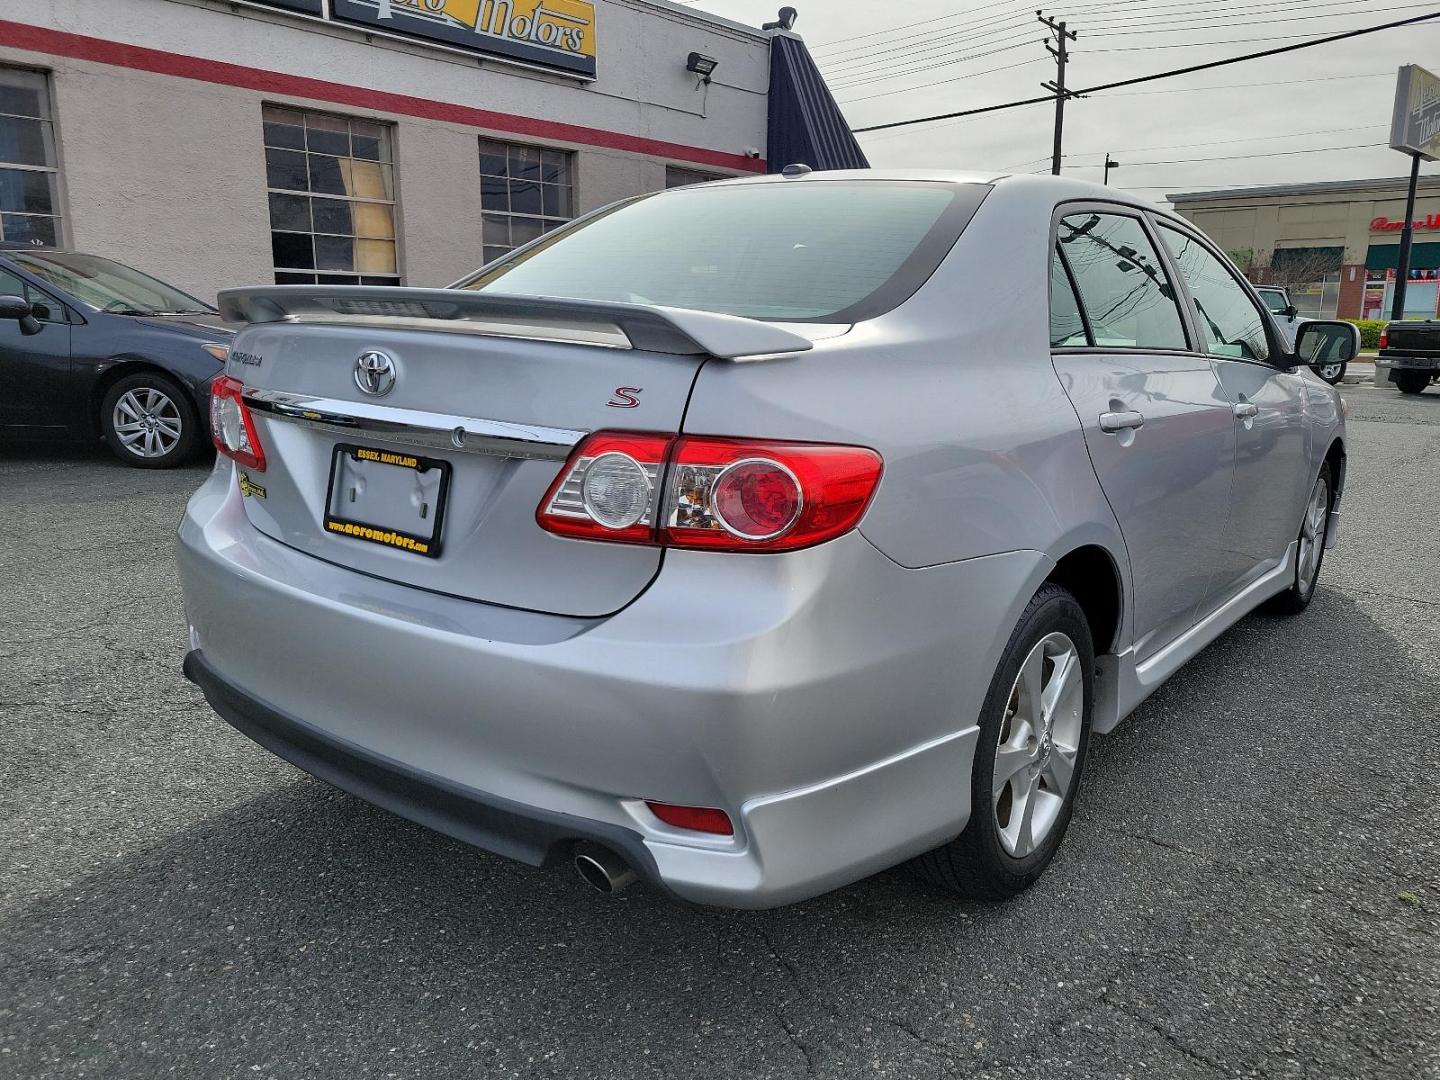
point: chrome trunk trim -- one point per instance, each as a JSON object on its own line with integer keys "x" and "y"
{"x": 413, "y": 427}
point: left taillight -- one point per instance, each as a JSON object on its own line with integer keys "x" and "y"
{"x": 232, "y": 426}
{"x": 709, "y": 493}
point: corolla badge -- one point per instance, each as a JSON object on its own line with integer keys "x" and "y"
{"x": 375, "y": 374}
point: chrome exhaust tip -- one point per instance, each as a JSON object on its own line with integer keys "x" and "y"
{"x": 603, "y": 870}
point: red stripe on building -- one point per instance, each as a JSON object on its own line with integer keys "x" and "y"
{"x": 117, "y": 54}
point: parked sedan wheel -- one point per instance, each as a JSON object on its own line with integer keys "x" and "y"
{"x": 1311, "y": 551}
{"x": 148, "y": 421}
{"x": 1034, "y": 731}
{"x": 1332, "y": 373}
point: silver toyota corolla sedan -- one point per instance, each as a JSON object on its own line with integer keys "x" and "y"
{"x": 753, "y": 537}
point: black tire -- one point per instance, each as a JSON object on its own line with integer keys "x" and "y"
{"x": 1334, "y": 377}
{"x": 1410, "y": 382}
{"x": 975, "y": 864}
{"x": 1297, "y": 597}
{"x": 180, "y": 411}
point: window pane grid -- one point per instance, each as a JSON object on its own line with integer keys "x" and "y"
{"x": 29, "y": 175}
{"x": 525, "y": 192}
{"x": 332, "y": 198}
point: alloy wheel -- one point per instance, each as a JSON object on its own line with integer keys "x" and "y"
{"x": 1312, "y": 534}
{"x": 147, "y": 422}
{"x": 1038, "y": 744}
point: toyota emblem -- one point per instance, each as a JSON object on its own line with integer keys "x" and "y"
{"x": 375, "y": 374}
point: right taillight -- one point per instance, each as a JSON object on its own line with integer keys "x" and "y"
{"x": 710, "y": 493}
{"x": 231, "y": 425}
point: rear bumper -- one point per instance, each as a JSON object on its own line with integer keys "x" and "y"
{"x": 524, "y": 833}
{"x": 1399, "y": 362}
{"x": 826, "y": 699}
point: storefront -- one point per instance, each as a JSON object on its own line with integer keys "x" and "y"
{"x": 1335, "y": 244}
{"x": 217, "y": 143}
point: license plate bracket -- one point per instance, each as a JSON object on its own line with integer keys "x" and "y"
{"x": 388, "y": 497}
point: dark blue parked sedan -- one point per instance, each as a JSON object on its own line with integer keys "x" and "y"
{"x": 94, "y": 349}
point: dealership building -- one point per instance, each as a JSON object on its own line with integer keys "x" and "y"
{"x": 1345, "y": 235}
{"x": 218, "y": 143}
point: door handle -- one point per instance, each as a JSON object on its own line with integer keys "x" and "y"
{"x": 1244, "y": 410}
{"x": 1113, "y": 422}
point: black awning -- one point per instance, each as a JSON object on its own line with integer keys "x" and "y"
{"x": 806, "y": 126}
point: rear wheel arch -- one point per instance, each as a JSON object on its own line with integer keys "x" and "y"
{"x": 1091, "y": 575}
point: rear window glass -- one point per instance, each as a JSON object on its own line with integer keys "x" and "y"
{"x": 798, "y": 251}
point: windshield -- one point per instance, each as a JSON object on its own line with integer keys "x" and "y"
{"x": 795, "y": 251}
{"x": 1274, "y": 300}
{"x": 109, "y": 286}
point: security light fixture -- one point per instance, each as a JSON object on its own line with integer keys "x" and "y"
{"x": 702, "y": 65}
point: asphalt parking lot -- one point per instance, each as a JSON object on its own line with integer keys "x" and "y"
{"x": 1251, "y": 887}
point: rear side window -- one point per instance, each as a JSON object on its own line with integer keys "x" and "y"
{"x": 1229, "y": 322}
{"x": 800, "y": 251}
{"x": 1128, "y": 299}
{"x": 1067, "y": 328}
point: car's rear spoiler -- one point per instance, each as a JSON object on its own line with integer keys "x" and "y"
{"x": 636, "y": 326}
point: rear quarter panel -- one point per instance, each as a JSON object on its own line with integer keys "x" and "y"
{"x": 983, "y": 451}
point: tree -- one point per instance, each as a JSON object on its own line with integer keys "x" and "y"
{"x": 1244, "y": 258}
{"x": 1294, "y": 268}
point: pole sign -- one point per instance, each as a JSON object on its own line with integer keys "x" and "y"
{"x": 553, "y": 33}
{"x": 1416, "y": 125}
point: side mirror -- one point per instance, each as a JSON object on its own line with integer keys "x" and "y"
{"x": 1321, "y": 343}
{"x": 20, "y": 309}
{"x": 1290, "y": 311}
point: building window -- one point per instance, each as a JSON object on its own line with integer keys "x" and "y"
{"x": 29, "y": 178}
{"x": 524, "y": 193}
{"x": 675, "y": 176}
{"x": 332, "y": 199}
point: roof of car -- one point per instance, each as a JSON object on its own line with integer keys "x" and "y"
{"x": 1057, "y": 186}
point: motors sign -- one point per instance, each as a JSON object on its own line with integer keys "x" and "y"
{"x": 1416, "y": 125}
{"x": 554, "y": 33}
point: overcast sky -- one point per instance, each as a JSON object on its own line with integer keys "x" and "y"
{"x": 1337, "y": 95}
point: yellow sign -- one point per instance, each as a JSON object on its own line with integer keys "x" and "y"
{"x": 556, "y": 33}
{"x": 249, "y": 488}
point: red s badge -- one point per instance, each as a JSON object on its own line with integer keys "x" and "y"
{"x": 625, "y": 397}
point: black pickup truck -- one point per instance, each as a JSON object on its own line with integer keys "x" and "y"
{"x": 1412, "y": 349}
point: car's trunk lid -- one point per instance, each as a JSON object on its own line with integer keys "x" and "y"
{"x": 435, "y": 482}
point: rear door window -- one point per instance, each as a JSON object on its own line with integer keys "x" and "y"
{"x": 795, "y": 251}
{"x": 1067, "y": 326}
{"x": 1123, "y": 286}
{"x": 1230, "y": 323}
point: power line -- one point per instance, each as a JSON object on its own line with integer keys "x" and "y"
{"x": 868, "y": 53}
{"x": 1247, "y": 86}
{"x": 986, "y": 48}
{"x": 823, "y": 45}
{"x": 940, "y": 82}
{"x": 1219, "y": 142}
{"x": 1181, "y": 13}
{"x": 1164, "y": 74}
{"x": 1251, "y": 157}
{"x": 1100, "y": 31}
{"x": 1029, "y": 40}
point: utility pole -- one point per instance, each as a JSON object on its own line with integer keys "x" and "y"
{"x": 1061, "y": 51}
{"x": 1110, "y": 163}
